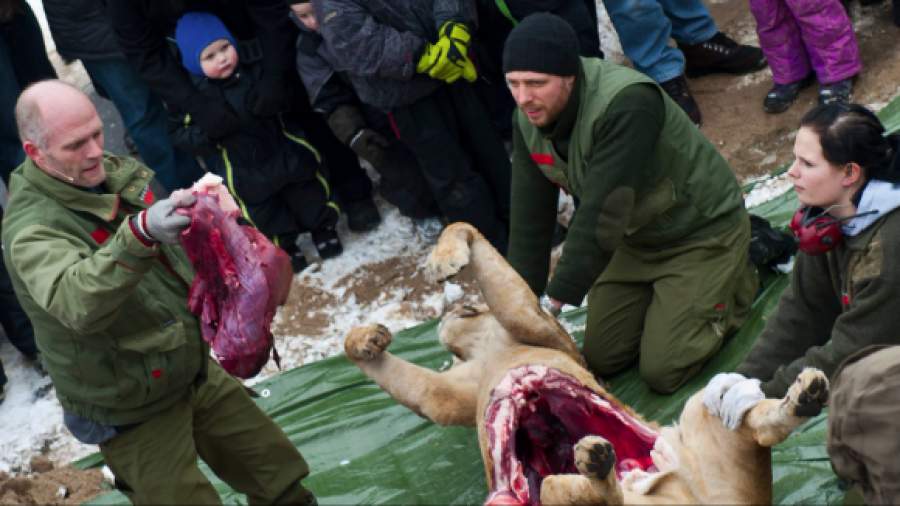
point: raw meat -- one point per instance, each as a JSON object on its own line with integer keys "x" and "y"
{"x": 241, "y": 278}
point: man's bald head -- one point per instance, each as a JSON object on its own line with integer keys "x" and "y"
{"x": 42, "y": 99}
{"x": 61, "y": 132}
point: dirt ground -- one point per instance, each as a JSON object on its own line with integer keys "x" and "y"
{"x": 732, "y": 105}
{"x": 48, "y": 485}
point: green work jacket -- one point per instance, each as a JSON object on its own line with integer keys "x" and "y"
{"x": 684, "y": 190}
{"x": 109, "y": 313}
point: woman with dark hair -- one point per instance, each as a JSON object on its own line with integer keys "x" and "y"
{"x": 845, "y": 290}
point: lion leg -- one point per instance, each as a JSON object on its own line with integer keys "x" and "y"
{"x": 595, "y": 459}
{"x": 508, "y": 296}
{"x": 447, "y": 398}
{"x": 772, "y": 420}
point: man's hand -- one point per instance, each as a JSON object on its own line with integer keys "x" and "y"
{"x": 447, "y": 59}
{"x": 161, "y": 223}
{"x": 268, "y": 97}
{"x": 214, "y": 116}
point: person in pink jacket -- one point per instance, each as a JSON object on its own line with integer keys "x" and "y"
{"x": 805, "y": 40}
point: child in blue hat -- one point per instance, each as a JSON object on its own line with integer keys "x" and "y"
{"x": 274, "y": 174}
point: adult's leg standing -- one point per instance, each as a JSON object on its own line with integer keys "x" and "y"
{"x": 482, "y": 140}
{"x": 691, "y": 21}
{"x": 243, "y": 446}
{"x": 145, "y": 119}
{"x": 156, "y": 461}
{"x": 431, "y": 130}
{"x": 23, "y": 60}
{"x": 11, "y": 154}
{"x": 644, "y": 31}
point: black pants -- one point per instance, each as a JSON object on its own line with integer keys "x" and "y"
{"x": 15, "y": 322}
{"x": 402, "y": 182}
{"x": 462, "y": 158}
{"x": 349, "y": 181}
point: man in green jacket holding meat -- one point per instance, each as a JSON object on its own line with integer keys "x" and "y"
{"x": 659, "y": 241}
{"x": 97, "y": 267}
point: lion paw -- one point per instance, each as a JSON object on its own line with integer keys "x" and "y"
{"x": 808, "y": 393}
{"x": 594, "y": 457}
{"x": 447, "y": 258}
{"x": 367, "y": 342}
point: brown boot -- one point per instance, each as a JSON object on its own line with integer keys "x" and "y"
{"x": 677, "y": 88}
{"x": 721, "y": 54}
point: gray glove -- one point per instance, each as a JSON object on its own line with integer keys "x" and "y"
{"x": 162, "y": 223}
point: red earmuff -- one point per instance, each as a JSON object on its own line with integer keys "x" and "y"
{"x": 816, "y": 231}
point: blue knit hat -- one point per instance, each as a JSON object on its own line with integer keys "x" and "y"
{"x": 195, "y": 31}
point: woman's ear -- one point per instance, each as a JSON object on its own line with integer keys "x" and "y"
{"x": 853, "y": 174}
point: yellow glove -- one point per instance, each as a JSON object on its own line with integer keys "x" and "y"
{"x": 447, "y": 59}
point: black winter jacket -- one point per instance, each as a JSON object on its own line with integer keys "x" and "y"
{"x": 141, "y": 27}
{"x": 378, "y": 43}
{"x": 265, "y": 155}
{"x": 81, "y": 29}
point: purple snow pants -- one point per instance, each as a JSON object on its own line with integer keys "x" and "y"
{"x": 802, "y": 35}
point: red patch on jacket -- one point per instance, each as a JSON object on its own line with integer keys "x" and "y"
{"x": 845, "y": 299}
{"x": 542, "y": 158}
{"x": 156, "y": 373}
{"x": 100, "y": 235}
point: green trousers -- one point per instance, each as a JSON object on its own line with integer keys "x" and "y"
{"x": 669, "y": 309}
{"x": 864, "y": 421}
{"x": 156, "y": 461}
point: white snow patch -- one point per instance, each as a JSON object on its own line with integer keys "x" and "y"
{"x": 452, "y": 292}
{"x": 31, "y": 417}
{"x": 767, "y": 188}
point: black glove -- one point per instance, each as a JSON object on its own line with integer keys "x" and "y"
{"x": 346, "y": 121}
{"x": 371, "y": 146}
{"x": 214, "y": 116}
{"x": 268, "y": 97}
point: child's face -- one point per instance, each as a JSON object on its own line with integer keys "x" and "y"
{"x": 305, "y": 14}
{"x": 219, "y": 59}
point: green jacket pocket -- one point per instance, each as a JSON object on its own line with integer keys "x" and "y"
{"x": 149, "y": 362}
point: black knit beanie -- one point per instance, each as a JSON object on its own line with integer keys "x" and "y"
{"x": 542, "y": 42}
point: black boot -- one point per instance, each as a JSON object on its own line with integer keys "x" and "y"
{"x": 298, "y": 259}
{"x": 836, "y": 93}
{"x": 781, "y": 96}
{"x": 362, "y": 215}
{"x": 327, "y": 242}
{"x": 721, "y": 54}
{"x": 677, "y": 88}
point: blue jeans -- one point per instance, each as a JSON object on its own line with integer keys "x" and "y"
{"x": 145, "y": 119}
{"x": 644, "y": 28}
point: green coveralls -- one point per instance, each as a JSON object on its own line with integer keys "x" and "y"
{"x": 111, "y": 322}
{"x": 659, "y": 242}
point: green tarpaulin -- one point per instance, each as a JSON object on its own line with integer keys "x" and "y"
{"x": 365, "y": 449}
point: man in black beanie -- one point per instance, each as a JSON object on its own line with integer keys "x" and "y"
{"x": 659, "y": 241}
